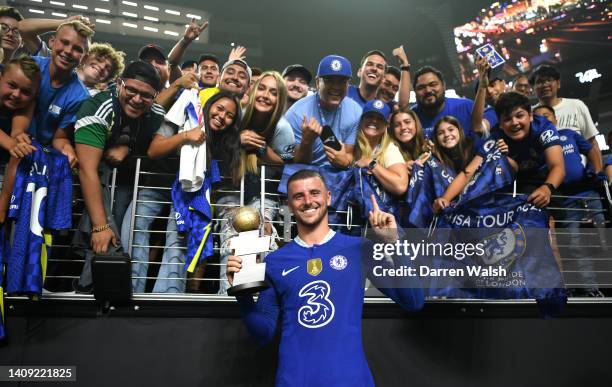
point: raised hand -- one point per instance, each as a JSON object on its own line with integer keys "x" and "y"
{"x": 400, "y": 54}
{"x": 483, "y": 68}
{"x": 383, "y": 224}
{"x": 238, "y": 52}
{"x": 194, "y": 30}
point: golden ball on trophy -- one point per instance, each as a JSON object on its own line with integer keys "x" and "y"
{"x": 246, "y": 218}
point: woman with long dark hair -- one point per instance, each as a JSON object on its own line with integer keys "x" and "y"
{"x": 221, "y": 115}
{"x": 406, "y": 130}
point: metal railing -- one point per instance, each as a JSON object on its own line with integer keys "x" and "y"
{"x": 595, "y": 259}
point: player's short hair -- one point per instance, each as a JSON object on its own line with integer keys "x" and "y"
{"x": 107, "y": 51}
{"x": 509, "y": 101}
{"x": 306, "y": 174}
{"x": 545, "y": 71}
{"x": 11, "y": 12}
{"x": 28, "y": 67}
{"x": 547, "y": 107}
{"x": 425, "y": 70}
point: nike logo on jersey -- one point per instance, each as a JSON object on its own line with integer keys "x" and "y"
{"x": 285, "y": 272}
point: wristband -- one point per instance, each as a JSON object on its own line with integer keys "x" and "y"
{"x": 405, "y": 68}
{"x": 261, "y": 151}
{"x": 550, "y": 187}
{"x": 372, "y": 165}
{"x": 101, "y": 228}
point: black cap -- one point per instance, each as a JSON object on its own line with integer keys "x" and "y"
{"x": 144, "y": 72}
{"x": 299, "y": 69}
{"x": 210, "y": 57}
{"x": 153, "y": 49}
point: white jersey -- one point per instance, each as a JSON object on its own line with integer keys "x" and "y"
{"x": 186, "y": 113}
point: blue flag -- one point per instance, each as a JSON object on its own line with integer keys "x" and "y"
{"x": 515, "y": 236}
{"x": 427, "y": 183}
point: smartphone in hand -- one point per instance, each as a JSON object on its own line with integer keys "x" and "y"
{"x": 329, "y": 138}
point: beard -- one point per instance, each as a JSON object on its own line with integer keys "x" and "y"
{"x": 439, "y": 100}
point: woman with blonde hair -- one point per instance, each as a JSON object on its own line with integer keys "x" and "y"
{"x": 265, "y": 138}
{"x": 376, "y": 150}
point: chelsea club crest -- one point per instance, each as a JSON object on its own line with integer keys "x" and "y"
{"x": 338, "y": 262}
{"x": 504, "y": 247}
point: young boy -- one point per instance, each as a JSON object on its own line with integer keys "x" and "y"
{"x": 19, "y": 80}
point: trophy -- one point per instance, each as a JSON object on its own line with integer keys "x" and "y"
{"x": 247, "y": 245}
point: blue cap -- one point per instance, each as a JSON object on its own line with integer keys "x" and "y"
{"x": 334, "y": 65}
{"x": 377, "y": 106}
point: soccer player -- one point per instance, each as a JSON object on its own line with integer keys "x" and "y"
{"x": 316, "y": 289}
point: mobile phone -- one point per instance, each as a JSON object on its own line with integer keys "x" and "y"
{"x": 329, "y": 138}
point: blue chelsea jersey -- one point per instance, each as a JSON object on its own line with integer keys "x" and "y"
{"x": 320, "y": 290}
{"x": 41, "y": 200}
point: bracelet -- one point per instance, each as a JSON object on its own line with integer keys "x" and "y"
{"x": 405, "y": 68}
{"x": 551, "y": 188}
{"x": 101, "y": 228}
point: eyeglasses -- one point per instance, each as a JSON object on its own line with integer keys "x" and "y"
{"x": 131, "y": 92}
{"x": 6, "y": 29}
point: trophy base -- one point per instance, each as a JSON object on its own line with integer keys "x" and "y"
{"x": 247, "y": 288}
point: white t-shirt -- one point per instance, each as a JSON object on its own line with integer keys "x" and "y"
{"x": 574, "y": 114}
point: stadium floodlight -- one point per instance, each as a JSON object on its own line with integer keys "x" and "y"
{"x": 173, "y": 12}
{"x": 79, "y": 6}
{"x": 58, "y": 3}
{"x": 131, "y": 25}
{"x": 171, "y": 33}
{"x": 151, "y": 8}
{"x": 129, "y": 3}
{"x": 38, "y": 11}
{"x": 152, "y": 29}
{"x": 58, "y": 14}
{"x": 191, "y": 16}
{"x": 102, "y": 10}
{"x": 151, "y": 18}
{"x": 129, "y": 14}
{"x": 36, "y": 1}
{"x": 103, "y": 21}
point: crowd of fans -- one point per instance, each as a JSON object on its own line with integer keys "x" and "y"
{"x": 80, "y": 98}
